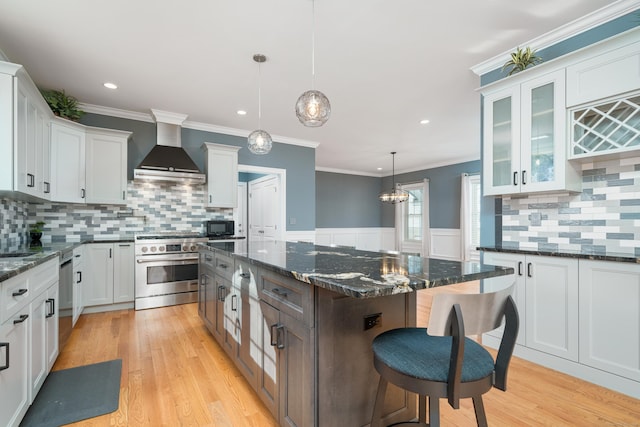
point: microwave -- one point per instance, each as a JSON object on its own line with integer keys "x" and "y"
{"x": 217, "y": 228}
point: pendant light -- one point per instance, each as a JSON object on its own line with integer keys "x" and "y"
{"x": 260, "y": 141}
{"x": 313, "y": 108}
{"x": 396, "y": 194}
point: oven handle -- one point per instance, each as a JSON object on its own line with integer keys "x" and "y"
{"x": 140, "y": 261}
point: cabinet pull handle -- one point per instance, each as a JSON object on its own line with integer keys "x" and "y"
{"x": 515, "y": 178}
{"x": 245, "y": 275}
{"x": 519, "y": 268}
{"x": 20, "y": 292}
{"x": 279, "y": 334}
{"x": 82, "y": 193}
{"x": 77, "y": 256}
{"x": 529, "y": 273}
{"x": 221, "y": 293}
{"x": 47, "y": 187}
{"x": 272, "y": 334}
{"x": 234, "y": 302}
{"x": 124, "y": 197}
{"x": 280, "y": 292}
{"x": 203, "y": 279}
{"x": 208, "y": 258}
{"x": 21, "y": 319}
{"x": 31, "y": 180}
{"x": 209, "y": 198}
{"x": 225, "y": 266}
{"x": 6, "y": 356}
{"x": 124, "y": 245}
{"x": 79, "y": 276}
{"x": 52, "y": 307}
{"x": 524, "y": 177}
{"x": 110, "y": 252}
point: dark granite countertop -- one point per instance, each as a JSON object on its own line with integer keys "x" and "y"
{"x": 359, "y": 274}
{"x": 599, "y": 256}
{"x": 32, "y": 256}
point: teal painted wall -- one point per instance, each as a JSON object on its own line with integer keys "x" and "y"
{"x": 444, "y": 193}
{"x": 344, "y": 201}
{"x": 352, "y": 200}
{"x": 299, "y": 162}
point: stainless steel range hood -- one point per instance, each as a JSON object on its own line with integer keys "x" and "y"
{"x": 167, "y": 160}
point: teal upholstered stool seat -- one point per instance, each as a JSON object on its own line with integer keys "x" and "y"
{"x": 441, "y": 362}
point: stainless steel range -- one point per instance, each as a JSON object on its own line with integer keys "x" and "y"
{"x": 166, "y": 269}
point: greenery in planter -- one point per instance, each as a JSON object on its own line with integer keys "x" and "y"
{"x": 37, "y": 227}
{"x": 521, "y": 59}
{"x": 62, "y": 104}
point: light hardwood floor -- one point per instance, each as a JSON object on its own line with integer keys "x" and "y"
{"x": 174, "y": 374}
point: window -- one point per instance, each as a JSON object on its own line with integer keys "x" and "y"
{"x": 413, "y": 215}
{"x": 412, "y": 219}
{"x": 470, "y": 216}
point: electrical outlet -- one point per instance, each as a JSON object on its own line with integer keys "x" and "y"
{"x": 372, "y": 321}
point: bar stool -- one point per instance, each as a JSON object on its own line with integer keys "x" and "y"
{"x": 440, "y": 362}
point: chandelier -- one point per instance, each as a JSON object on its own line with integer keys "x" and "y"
{"x": 260, "y": 141}
{"x": 396, "y": 194}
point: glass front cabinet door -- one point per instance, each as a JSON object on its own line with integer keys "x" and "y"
{"x": 525, "y": 138}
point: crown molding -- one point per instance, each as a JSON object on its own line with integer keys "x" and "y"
{"x": 245, "y": 133}
{"x": 169, "y": 117}
{"x": 347, "y": 172}
{"x": 449, "y": 162}
{"x": 206, "y": 127}
{"x": 580, "y": 25}
{"x": 115, "y": 112}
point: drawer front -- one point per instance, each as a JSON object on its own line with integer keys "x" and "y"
{"x": 16, "y": 294}
{"x": 78, "y": 253}
{"x": 44, "y": 276}
{"x": 224, "y": 266}
{"x": 288, "y": 295}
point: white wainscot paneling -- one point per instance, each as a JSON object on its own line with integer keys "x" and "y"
{"x": 445, "y": 243}
{"x": 367, "y": 239}
{"x": 301, "y": 236}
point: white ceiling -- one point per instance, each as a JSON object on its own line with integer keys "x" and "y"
{"x": 384, "y": 65}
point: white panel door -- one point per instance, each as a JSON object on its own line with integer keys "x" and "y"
{"x": 98, "y": 283}
{"x": 517, "y": 262}
{"x": 106, "y": 167}
{"x": 123, "y": 272}
{"x": 264, "y": 209}
{"x": 552, "y": 305}
{"x": 67, "y": 163}
{"x": 610, "y": 317}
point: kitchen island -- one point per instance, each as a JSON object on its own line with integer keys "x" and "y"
{"x": 298, "y": 320}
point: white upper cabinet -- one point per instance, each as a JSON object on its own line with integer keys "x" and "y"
{"x": 525, "y": 138}
{"x": 221, "y": 164}
{"x": 611, "y": 73}
{"x": 88, "y": 165}
{"x": 67, "y": 162}
{"x": 106, "y": 166}
{"x": 24, "y": 134}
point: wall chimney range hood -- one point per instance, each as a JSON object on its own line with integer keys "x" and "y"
{"x": 167, "y": 160}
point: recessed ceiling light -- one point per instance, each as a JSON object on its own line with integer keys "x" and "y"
{"x": 110, "y": 85}
{"x": 379, "y": 169}
{"x": 241, "y": 112}
{"x": 424, "y": 121}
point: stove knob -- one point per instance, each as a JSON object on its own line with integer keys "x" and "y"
{"x": 193, "y": 248}
{"x": 185, "y": 248}
{"x": 161, "y": 248}
{"x": 144, "y": 249}
{"x": 153, "y": 248}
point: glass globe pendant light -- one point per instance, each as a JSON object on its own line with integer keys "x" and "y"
{"x": 260, "y": 141}
{"x": 396, "y": 194}
{"x": 313, "y": 108}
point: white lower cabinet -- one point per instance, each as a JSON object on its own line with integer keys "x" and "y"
{"x": 28, "y": 337}
{"x": 610, "y": 317}
{"x": 109, "y": 274}
{"x": 581, "y": 317}
{"x": 546, "y": 295}
{"x": 78, "y": 285}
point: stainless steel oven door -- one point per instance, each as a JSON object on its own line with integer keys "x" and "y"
{"x": 166, "y": 274}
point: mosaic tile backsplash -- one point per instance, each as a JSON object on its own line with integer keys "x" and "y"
{"x": 151, "y": 207}
{"x": 604, "y": 217}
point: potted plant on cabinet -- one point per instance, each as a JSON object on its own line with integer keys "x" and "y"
{"x": 62, "y": 105}
{"x": 521, "y": 59}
